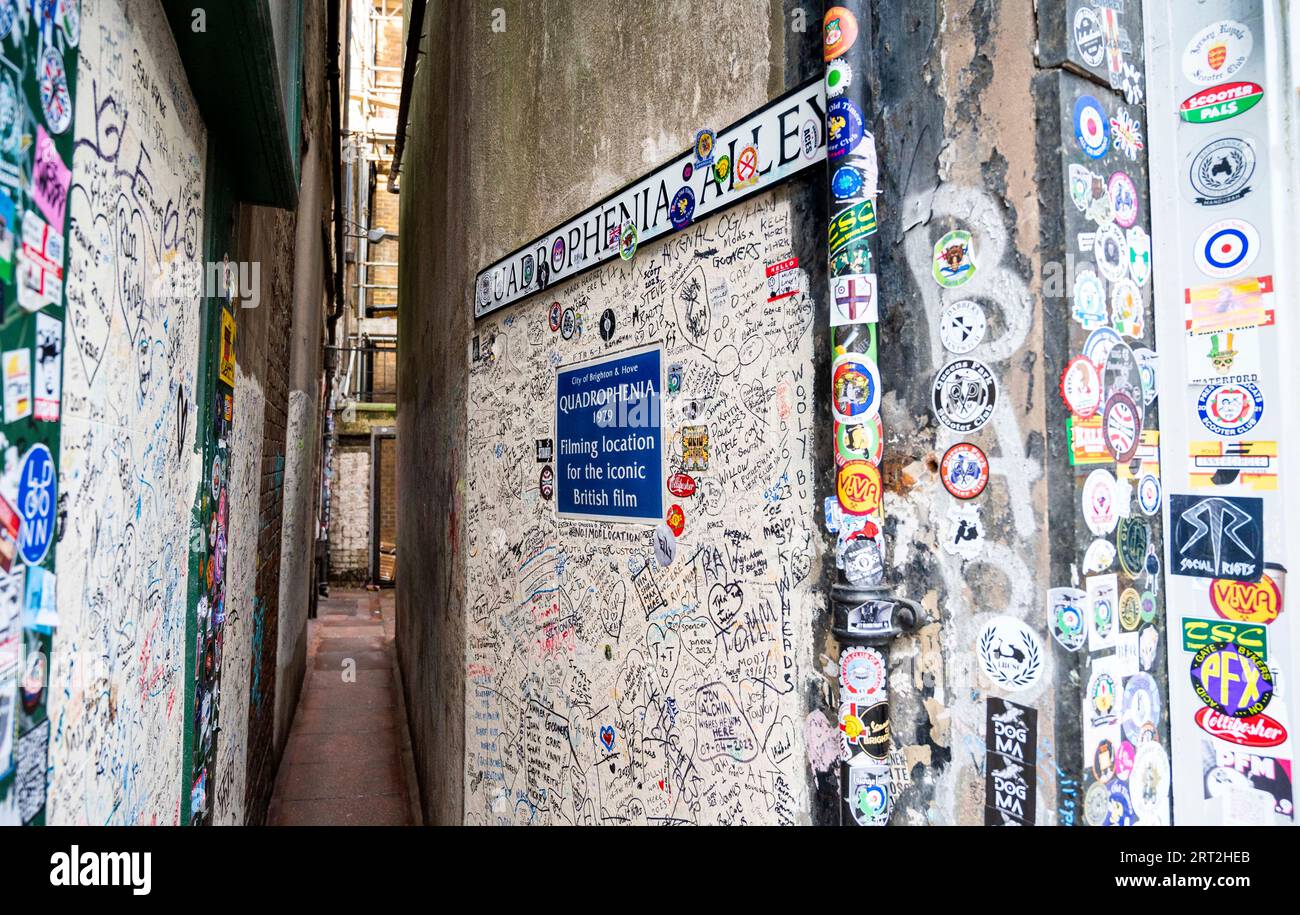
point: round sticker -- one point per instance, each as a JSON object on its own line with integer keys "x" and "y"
{"x": 607, "y": 324}
{"x": 1217, "y": 52}
{"x": 1121, "y": 426}
{"x": 1010, "y": 653}
{"x": 627, "y": 240}
{"x": 1126, "y": 308}
{"x": 964, "y": 395}
{"x": 1226, "y": 248}
{"x": 1100, "y": 510}
{"x": 1121, "y": 373}
{"x": 568, "y": 324}
{"x": 1147, "y": 362}
{"x": 1132, "y": 539}
{"x": 557, "y": 254}
{"x": 1150, "y": 782}
{"x": 855, "y": 388}
{"x": 954, "y": 259}
{"x": 55, "y": 98}
{"x": 962, "y": 326}
{"x": 722, "y": 168}
{"x": 1232, "y": 679}
{"x": 1130, "y": 610}
{"x": 1110, "y": 250}
{"x": 1099, "y": 557}
{"x": 1246, "y": 602}
{"x": 810, "y": 138}
{"x": 1123, "y": 199}
{"x": 1230, "y": 409}
{"x": 1220, "y": 171}
{"x": 747, "y": 167}
{"x": 676, "y": 520}
{"x": 839, "y": 31}
{"x": 839, "y": 75}
{"x": 556, "y": 312}
{"x": 1081, "y": 387}
{"x": 964, "y": 470}
{"x": 1148, "y": 493}
{"x": 546, "y": 482}
{"x": 844, "y": 126}
{"x": 683, "y": 208}
{"x": 1091, "y": 127}
{"x": 1089, "y": 300}
{"x": 37, "y": 502}
{"x": 681, "y": 485}
{"x": 1099, "y": 344}
{"x": 846, "y": 183}
{"x": 1088, "y": 36}
{"x": 862, "y": 674}
{"x": 858, "y": 487}
{"x": 862, "y": 441}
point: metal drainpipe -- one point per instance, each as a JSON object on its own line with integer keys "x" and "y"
{"x": 866, "y": 617}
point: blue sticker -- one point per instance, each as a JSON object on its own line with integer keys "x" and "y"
{"x": 36, "y": 504}
{"x": 845, "y": 127}
{"x": 1230, "y": 409}
{"x": 1091, "y": 128}
{"x": 846, "y": 182}
{"x": 683, "y": 208}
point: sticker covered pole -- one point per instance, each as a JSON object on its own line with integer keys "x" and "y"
{"x": 866, "y": 617}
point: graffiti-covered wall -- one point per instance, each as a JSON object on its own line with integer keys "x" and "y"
{"x": 128, "y": 468}
{"x": 660, "y": 672}
{"x": 38, "y": 86}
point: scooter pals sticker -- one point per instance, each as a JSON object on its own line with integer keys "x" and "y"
{"x": 1220, "y": 103}
{"x": 964, "y": 471}
{"x": 964, "y": 395}
{"x": 855, "y": 388}
{"x": 1010, "y": 653}
{"x": 1232, "y": 680}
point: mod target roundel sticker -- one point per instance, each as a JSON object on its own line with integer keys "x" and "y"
{"x": 1226, "y": 248}
{"x": 1091, "y": 127}
{"x": 1230, "y": 409}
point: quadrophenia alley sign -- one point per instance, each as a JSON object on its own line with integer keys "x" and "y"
{"x": 762, "y": 150}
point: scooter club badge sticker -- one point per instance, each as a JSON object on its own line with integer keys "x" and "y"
{"x": 1010, "y": 654}
{"x": 1230, "y": 409}
{"x": 855, "y": 388}
{"x": 954, "y": 259}
{"x": 1220, "y": 171}
{"x": 1122, "y": 426}
{"x": 964, "y": 471}
{"x": 1217, "y": 52}
{"x": 964, "y": 395}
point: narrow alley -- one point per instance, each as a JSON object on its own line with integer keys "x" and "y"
{"x": 489, "y": 413}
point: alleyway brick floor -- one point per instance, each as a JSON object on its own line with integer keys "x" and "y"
{"x": 344, "y": 763}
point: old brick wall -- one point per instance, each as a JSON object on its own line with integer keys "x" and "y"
{"x": 350, "y": 511}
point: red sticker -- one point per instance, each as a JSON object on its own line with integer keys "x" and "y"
{"x": 964, "y": 470}
{"x": 676, "y": 520}
{"x": 681, "y": 485}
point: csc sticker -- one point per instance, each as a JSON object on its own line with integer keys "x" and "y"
{"x": 1199, "y": 633}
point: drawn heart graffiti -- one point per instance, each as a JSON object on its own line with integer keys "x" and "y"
{"x": 607, "y": 738}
